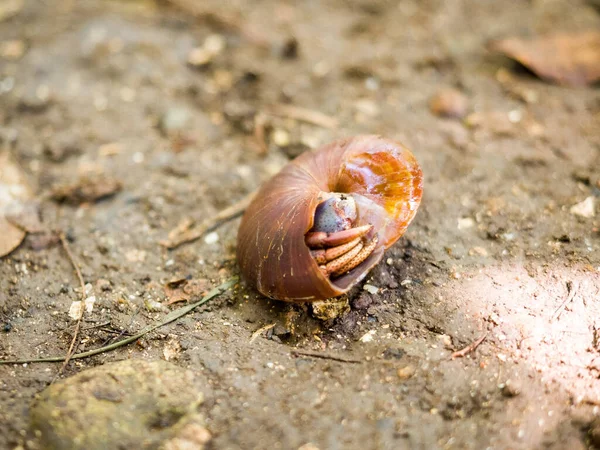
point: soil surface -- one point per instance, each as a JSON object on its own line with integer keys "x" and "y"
{"x": 109, "y": 91}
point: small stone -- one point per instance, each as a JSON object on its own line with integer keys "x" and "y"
{"x": 404, "y": 373}
{"x": 89, "y": 304}
{"x": 211, "y": 238}
{"x": 585, "y": 208}
{"x": 199, "y": 57}
{"x": 215, "y": 43}
{"x": 174, "y": 120}
{"x": 368, "y": 336}
{"x": 153, "y": 305}
{"x": 75, "y": 310}
{"x": 171, "y": 350}
{"x": 465, "y": 223}
{"x": 371, "y": 289}
{"x": 121, "y": 405}
{"x": 511, "y": 388}
{"x": 449, "y": 103}
{"x": 281, "y": 137}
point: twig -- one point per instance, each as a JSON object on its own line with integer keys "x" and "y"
{"x": 176, "y": 239}
{"x": 172, "y": 316}
{"x": 261, "y": 330}
{"x": 469, "y": 348}
{"x": 572, "y": 289}
{"x": 260, "y": 124}
{"x": 65, "y": 245}
{"x": 324, "y": 356}
{"x": 303, "y": 115}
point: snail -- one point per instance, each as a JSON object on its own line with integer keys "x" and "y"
{"x": 322, "y": 223}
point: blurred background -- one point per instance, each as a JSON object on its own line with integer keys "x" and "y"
{"x": 124, "y": 121}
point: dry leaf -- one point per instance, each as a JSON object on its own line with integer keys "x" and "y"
{"x": 86, "y": 190}
{"x": 14, "y": 192}
{"x": 181, "y": 290}
{"x": 565, "y": 58}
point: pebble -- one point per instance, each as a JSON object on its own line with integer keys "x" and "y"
{"x": 464, "y": 223}
{"x": 404, "y": 373}
{"x": 449, "y": 103}
{"x": 368, "y": 336}
{"x": 511, "y": 388}
{"x": 211, "y": 238}
{"x": 281, "y": 137}
{"x": 585, "y": 208}
{"x": 371, "y": 289}
{"x": 122, "y": 405}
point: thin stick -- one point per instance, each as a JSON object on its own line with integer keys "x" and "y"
{"x": 469, "y": 348}
{"x": 324, "y": 356}
{"x": 261, "y": 330}
{"x": 572, "y": 288}
{"x": 172, "y": 316}
{"x": 176, "y": 239}
{"x": 303, "y": 115}
{"x": 260, "y": 123}
{"x": 65, "y": 245}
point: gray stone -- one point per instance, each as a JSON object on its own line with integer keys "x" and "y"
{"x": 128, "y": 404}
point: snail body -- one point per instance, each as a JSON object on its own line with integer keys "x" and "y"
{"x": 347, "y": 201}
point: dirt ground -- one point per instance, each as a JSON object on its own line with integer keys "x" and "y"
{"x": 105, "y": 89}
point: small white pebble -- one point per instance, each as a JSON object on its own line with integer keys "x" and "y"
{"x": 465, "y": 223}
{"x": 371, "y": 289}
{"x": 211, "y": 238}
{"x": 368, "y": 336}
{"x": 515, "y": 116}
{"x": 389, "y": 261}
{"x": 138, "y": 157}
{"x": 406, "y": 282}
{"x": 585, "y": 208}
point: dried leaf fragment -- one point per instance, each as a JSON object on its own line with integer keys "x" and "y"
{"x": 181, "y": 290}
{"x": 564, "y": 58}
{"x": 14, "y": 192}
{"x": 86, "y": 190}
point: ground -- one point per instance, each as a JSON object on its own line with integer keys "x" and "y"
{"x": 104, "y": 90}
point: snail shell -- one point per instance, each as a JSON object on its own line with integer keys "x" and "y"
{"x": 381, "y": 175}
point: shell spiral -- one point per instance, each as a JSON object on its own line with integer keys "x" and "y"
{"x": 382, "y": 176}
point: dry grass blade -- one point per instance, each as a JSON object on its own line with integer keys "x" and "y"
{"x": 172, "y": 316}
{"x": 65, "y": 245}
{"x": 304, "y": 115}
{"x": 469, "y": 348}
{"x": 181, "y": 236}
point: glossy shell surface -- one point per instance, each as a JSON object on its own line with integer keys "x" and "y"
{"x": 382, "y": 176}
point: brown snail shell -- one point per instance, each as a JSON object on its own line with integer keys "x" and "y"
{"x": 382, "y": 176}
